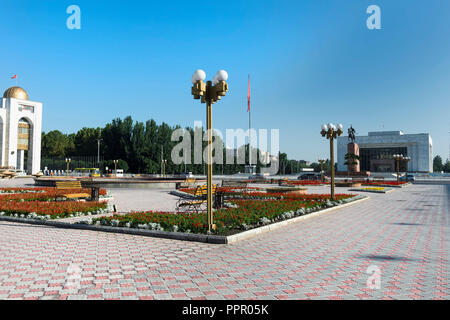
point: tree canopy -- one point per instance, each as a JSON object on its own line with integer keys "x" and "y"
{"x": 140, "y": 147}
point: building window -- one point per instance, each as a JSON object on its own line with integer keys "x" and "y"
{"x": 23, "y": 130}
{"x": 375, "y": 159}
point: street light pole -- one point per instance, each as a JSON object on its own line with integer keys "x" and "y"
{"x": 407, "y": 159}
{"x": 68, "y": 162}
{"x": 331, "y": 132}
{"x": 397, "y": 158}
{"x": 209, "y": 160}
{"x": 98, "y": 150}
{"x": 209, "y": 93}
{"x": 115, "y": 167}
{"x": 321, "y": 161}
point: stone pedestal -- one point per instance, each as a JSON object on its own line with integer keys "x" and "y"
{"x": 353, "y": 148}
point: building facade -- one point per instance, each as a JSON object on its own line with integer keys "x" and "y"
{"x": 377, "y": 148}
{"x": 20, "y": 131}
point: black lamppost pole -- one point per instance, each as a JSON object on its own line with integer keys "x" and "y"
{"x": 331, "y": 132}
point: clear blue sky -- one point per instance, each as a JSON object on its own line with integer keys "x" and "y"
{"x": 310, "y": 62}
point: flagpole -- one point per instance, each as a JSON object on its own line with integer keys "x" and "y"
{"x": 249, "y": 131}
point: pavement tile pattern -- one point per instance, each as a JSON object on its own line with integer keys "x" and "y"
{"x": 393, "y": 246}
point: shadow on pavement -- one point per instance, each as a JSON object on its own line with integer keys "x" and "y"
{"x": 407, "y": 224}
{"x": 387, "y": 258}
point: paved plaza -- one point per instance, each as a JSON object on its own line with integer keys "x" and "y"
{"x": 403, "y": 234}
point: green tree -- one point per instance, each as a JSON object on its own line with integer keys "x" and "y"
{"x": 446, "y": 167}
{"x": 438, "y": 166}
{"x": 138, "y": 146}
{"x": 85, "y": 141}
{"x": 54, "y": 144}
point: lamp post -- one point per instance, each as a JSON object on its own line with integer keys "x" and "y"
{"x": 331, "y": 132}
{"x": 98, "y": 150}
{"x": 115, "y": 167}
{"x": 68, "y": 162}
{"x": 321, "y": 161}
{"x": 406, "y": 159}
{"x": 164, "y": 162}
{"x": 209, "y": 93}
{"x": 398, "y": 158}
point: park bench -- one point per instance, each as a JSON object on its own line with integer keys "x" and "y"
{"x": 72, "y": 185}
{"x": 234, "y": 183}
{"x": 7, "y": 174}
{"x": 198, "y": 199}
{"x": 186, "y": 183}
{"x": 283, "y": 182}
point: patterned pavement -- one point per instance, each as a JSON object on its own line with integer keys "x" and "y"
{"x": 402, "y": 236}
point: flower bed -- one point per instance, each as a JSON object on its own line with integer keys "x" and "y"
{"x": 46, "y": 203}
{"x": 40, "y": 194}
{"x": 21, "y": 190}
{"x": 373, "y": 189}
{"x": 305, "y": 182}
{"x": 51, "y": 209}
{"x": 222, "y": 189}
{"x": 241, "y": 214}
{"x": 383, "y": 183}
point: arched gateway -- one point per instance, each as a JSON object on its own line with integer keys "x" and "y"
{"x": 20, "y": 131}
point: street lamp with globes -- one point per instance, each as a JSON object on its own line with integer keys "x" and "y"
{"x": 209, "y": 93}
{"x": 68, "y": 160}
{"x": 398, "y": 158}
{"x": 331, "y": 132}
{"x": 406, "y": 159}
{"x": 321, "y": 161}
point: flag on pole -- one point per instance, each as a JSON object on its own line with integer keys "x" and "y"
{"x": 14, "y": 76}
{"x": 248, "y": 95}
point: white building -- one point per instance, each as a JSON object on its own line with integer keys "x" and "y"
{"x": 376, "y": 150}
{"x": 20, "y": 131}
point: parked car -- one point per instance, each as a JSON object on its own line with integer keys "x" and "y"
{"x": 258, "y": 176}
{"x": 409, "y": 177}
{"x": 186, "y": 175}
{"x": 309, "y": 176}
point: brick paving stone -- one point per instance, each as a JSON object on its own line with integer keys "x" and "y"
{"x": 404, "y": 233}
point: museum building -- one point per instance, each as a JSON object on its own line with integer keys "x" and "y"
{"x": 377, "y": 148}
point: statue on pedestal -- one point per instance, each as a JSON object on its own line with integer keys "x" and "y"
{"x": 351, "y": 134}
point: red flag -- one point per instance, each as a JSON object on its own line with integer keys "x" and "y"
{"x": 14, "y": 77}
{"x": 248, "y": 96}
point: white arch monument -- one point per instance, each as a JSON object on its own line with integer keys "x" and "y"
{"x": 20, "y": 131}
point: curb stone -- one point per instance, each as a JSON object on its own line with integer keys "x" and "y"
{"x": 213, "y": 239}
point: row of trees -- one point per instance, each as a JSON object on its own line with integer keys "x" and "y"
{"x": 439, "y": 166}
{"x": 140, "y": 147}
